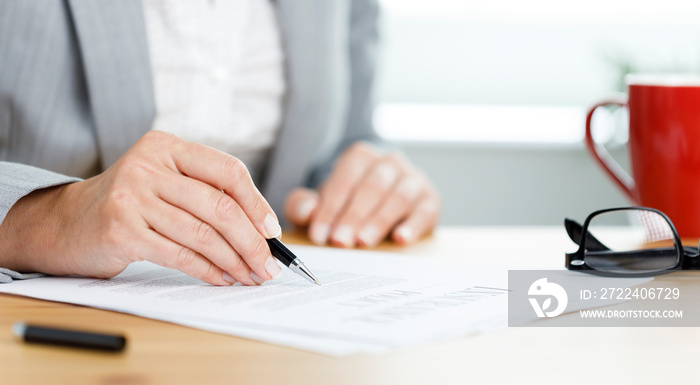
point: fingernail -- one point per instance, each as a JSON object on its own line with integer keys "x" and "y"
{"x": 304, "y": 209}
{"x": 368, "y": 235}
{"x": 345, "y": 236}
{"x": 228, "y": 278}
{"x": 319, "y": 234}
{"x": 256, "y": 278}
{"x": 272, "y": 227}
{"x": 405, "y": 233}
{"x": 273, "y": 268}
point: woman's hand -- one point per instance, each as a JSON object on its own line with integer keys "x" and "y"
{"x": 168, "y": 201}
{"x": 368, "y": 196}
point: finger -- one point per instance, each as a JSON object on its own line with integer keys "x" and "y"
{"x": 338, "y": 188}
{"x": 370, "y": 192}
{"x": 396, "y": 207}
{"x": 197, "y": 235}
{"x": 420, "y": 221}
{"x": 225, "y": 215}
{"x": 300, "y": 204}
{"x": 164, "y": 252}
{"x": 228, "y": 174}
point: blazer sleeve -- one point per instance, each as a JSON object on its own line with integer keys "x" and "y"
{"x": 16, "y": 181}
{"x": 363, "y": 41}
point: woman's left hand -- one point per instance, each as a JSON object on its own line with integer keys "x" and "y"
{"x": 367, "y": 197}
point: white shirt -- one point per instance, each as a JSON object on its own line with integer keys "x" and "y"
{"x": 218, "y": 73}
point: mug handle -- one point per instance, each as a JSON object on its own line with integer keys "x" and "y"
{"x": 600, "y": 154}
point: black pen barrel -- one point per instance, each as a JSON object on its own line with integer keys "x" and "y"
{"x": 281, "y": 252}
{"x": 38, "y": 334}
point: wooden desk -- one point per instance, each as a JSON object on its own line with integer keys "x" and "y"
{"x": 162, "y": 353}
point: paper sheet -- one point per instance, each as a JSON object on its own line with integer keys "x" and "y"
{"x": 369, "y": 303}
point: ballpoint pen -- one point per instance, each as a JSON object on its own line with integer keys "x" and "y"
{"x": 65, "y": 337}
{"x": 284, "y": 255}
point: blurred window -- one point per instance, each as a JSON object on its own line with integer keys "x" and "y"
{"x": 513, "y": 71}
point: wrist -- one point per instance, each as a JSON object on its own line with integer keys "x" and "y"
{"x": 29, "y": 232}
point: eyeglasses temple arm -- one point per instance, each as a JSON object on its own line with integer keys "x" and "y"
{"x": 575, "y": 230}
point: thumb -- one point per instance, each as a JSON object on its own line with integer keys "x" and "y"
{"x": 300, "y": 205}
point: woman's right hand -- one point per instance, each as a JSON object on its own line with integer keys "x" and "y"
{"x": 175, "y": 203}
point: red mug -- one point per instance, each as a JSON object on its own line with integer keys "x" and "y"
{"x": 664, "y": 147}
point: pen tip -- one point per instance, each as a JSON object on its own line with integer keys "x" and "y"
{"x": 317, "y": 282}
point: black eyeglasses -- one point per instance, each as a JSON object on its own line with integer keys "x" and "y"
{"x": 628, "y": 242}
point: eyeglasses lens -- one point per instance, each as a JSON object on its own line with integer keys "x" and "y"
{"x": 630, "y": 242}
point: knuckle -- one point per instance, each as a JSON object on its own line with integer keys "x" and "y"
{"x": 409, "y": 190}
{"x": 260, "y": 205}
{"x": 224, "y": 206}
{"x": 376, "y": 182}
{"x": 185, "y": 257}
{"x": 211, "y": 275}
{"x": 429, "y": 206}
{"x": 128, "y": 167}
{"x": 153, "y": 142}
{"x": 403, "y": 197}
{"x": 237, "y": 268}
{"x": 397, "y": 159}
{"x": 204, "y": 233}
{"x": 133, "y": 168}
{"x": 117, "y": 202}
{"x": 384, "y": 174}
{"x": 233, "y": 169}
{"x": 158, "y": 137}
{"x": 362, "y": 149}
{"x": 153, "y": 135}
{"x": 260, "y": 249}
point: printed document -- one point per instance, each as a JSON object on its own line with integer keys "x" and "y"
{"x": 369, "y": 302}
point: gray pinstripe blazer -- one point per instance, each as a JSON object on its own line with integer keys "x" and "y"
{"x": 75, "y": 86}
